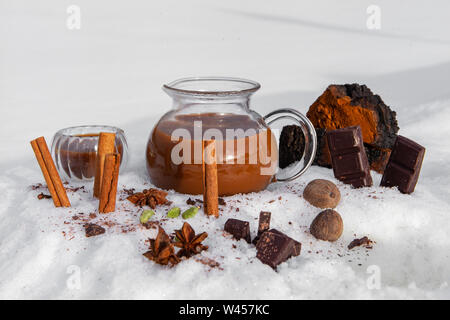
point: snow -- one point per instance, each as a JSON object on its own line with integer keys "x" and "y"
{"x": 111, "y": 71}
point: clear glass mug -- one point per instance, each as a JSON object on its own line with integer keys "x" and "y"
{"x": 74, "y": 151}
{"x": 217, "y": 108}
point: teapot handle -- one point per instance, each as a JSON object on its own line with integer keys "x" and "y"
{"x": 310, "y": 140}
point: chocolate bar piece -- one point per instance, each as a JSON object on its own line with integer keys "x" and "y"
{"x": 238, "y": 228}
{"x": 274, "y": 247}
{"x": 297, "y": 247}
{"x": 348, "y": 156}
{"x": 404, "y": 165}
{"x": 264, "y": 224}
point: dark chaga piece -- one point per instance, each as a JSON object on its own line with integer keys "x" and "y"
{"x": 404, "y": 165}
{"x": 292, "y": 145}
{"x": 239, "y": 229}
{"x": 348, "y": 157}
{"x": 342, "y": 106}
{"x": 322, "y": 157}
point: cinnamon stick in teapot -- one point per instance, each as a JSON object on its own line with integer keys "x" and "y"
{"x": 210, "y": 180}
{"x": 106, "y": 145}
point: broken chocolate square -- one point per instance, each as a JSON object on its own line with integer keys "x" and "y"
{"x": 274, "y": 247}
{"x": 238, "y": 228}
{"x": 348, "y": 156}
{"x": 404, "y": 165}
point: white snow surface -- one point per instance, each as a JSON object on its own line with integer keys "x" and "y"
{"x": 111, "y": 71}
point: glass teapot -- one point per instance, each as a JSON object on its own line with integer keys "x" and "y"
{"x": 217, "y": 108}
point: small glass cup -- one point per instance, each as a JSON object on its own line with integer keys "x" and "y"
{"x": 74, "y": 150}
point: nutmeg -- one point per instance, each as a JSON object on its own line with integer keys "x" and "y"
{"x": 328, "y": 225}
{"x": 322, "y": 194}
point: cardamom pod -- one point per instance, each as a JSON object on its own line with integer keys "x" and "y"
{"x": 189, "y": 213}
{"x": 174, "y": 212}
{"x": 146, "y": 215}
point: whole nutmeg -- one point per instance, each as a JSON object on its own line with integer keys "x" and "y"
{"x": 328, "y": 225}
{"x": 322, "y": 194}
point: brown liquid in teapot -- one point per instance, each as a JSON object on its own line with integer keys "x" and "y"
{"x": 237, "y": 173}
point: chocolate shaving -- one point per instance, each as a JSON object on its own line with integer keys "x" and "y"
{"x": 364, "y": 241}
{"x": 93, "y": 229}
{"x": 43, "y": 196}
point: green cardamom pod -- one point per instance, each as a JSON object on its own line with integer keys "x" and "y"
{"x": 174, "y": 212}
{"x": 146, "y": 215}
{"x": 189, "y": 213}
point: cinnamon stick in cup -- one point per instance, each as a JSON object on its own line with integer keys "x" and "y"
{"x": 51, "y": 176}
{"x": 210, "y": 180}
{"x": 109, "y": 183}
{"x": 106, "y": 145}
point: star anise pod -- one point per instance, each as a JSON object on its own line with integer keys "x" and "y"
{"x": 151, "y": 197}
{"x": 189, "y": 243}
{"x": 161, "y": 250}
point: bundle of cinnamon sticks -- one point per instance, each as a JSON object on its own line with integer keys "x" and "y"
{"x": 106, "y": 177}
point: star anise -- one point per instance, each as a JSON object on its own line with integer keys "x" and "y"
{"x": 189, "y": 243}
{"x": 151, "y": 197}
{"x": 161, "y": 250}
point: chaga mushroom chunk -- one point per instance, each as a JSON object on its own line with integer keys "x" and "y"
{"x": 342, "y": 106}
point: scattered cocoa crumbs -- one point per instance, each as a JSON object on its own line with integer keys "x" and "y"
{"x": 208, "y": 262}
{"x": 364, "y": 241}
{"x": 271, "y": 201}
{"x": 92, "y": 215}
{"x": 43, "y": 196}
{"x": 190, "y": 202}
{"x": 75, "y": 189}
{"x": 75, "y": 218}
{"x": 222, "y": 202}
{"x": 237, "y": 209}
{"x": 92, "y": 229}
{"x": 128, "y": 191}
{"x": 36, "y": 186}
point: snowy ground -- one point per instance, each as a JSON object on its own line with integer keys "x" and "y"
{"x": 111, "y": 71}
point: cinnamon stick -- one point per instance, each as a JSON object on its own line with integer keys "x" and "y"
{"x": 210, "y": 180}
{"x": 51, "y": 176}
{"x": 106, "y": 145}
{"x": 109, "y": 183}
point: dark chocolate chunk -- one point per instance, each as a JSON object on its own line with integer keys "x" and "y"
{"x": 238, "y": 228}
{"x": 273, "y": 249}
{"x": 93, "y": 229}
{"x": 404, "y": 165}
{"x": 348, "y": 156}
{"x": 292, "y": 145}
{"x": 264, "y": 224}
{"x": 297, "y": 247}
